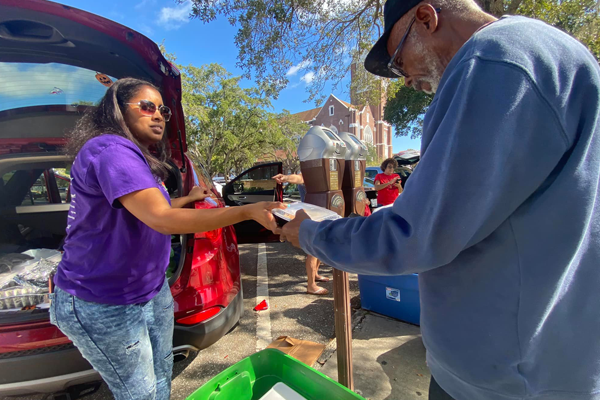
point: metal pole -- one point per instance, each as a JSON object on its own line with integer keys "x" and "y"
{"x": 343, "y": 327}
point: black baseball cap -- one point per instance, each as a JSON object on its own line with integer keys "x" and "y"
{"x": 378, "y": 58}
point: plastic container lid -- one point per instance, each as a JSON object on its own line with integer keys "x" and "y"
{"x": 316, "y": 213}
{"x": 281, "y": 391}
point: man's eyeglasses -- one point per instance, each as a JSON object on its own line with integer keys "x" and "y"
{"x": 148, "y": 108}
{"x": 393, "y": 65}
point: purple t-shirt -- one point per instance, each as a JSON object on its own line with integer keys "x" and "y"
{"x": 111, "y": 256}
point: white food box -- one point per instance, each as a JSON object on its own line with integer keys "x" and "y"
{"x": 281, "y": 391}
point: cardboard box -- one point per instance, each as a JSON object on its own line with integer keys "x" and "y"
{"x": 302, "y": 350}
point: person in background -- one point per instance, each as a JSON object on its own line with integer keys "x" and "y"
{"x": 312, "y": 263}
{"x": 388, "y": 184}
{"x": 112, "y": 299}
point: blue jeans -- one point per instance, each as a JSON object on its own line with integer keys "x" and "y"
{"x": 130, "y": 346}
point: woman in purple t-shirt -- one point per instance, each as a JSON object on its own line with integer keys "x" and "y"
{"x": 112, "y": 299}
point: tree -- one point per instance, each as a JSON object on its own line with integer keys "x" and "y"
{"x": 580, "y": 18}
{"x": 289, "y": 130}
{"x": 405, "y": 109}
{"x": 83, "y": 103}
{"x": 227, "y": 126}
{"x": 323, "y": 38}
{"x": 373, "y": 159}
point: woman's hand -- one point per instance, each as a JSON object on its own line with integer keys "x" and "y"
{"x": 261, "y": 213}
{"x": 198, "y": 194}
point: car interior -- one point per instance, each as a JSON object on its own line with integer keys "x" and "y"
{"x": 35, "y": 199}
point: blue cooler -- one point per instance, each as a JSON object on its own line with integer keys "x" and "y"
{"x": 394, "y": 296}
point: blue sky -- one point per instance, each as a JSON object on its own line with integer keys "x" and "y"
{"x": 196, "y": 43}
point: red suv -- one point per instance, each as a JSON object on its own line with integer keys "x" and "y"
{"x": 55, "y": 62}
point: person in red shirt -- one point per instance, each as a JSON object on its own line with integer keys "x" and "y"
{"x": 387, "y": 184}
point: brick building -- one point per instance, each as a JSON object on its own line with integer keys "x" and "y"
{"x": 364, "y": 121}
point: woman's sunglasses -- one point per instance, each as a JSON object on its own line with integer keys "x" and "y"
{"x": 148, "y": 108}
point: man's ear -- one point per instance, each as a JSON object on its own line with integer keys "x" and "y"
{"x": 427, "y": 16}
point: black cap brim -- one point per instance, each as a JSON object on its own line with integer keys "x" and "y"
{"x": 378, "y": 58}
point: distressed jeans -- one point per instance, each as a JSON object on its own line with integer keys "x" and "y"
{"x": 130, "y": 346}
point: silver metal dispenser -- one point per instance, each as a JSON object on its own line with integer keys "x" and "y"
{"x": 354, "y": 175}
{"x": 322, "y": 161}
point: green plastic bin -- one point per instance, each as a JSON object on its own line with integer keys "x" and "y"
{"x": 254, "y": 376}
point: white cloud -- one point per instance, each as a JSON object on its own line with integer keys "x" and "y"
{"x": 308, "y": 77}
{"x": 144, "y": 4}
{"x": 294, "y": 70}
{"x": 175, "y": 17}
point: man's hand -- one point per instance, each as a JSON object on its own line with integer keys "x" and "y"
{"x": 291, "y": 231}
{"x": 280, "y": 178}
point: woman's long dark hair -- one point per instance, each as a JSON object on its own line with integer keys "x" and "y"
{"x": 107, "y": 117}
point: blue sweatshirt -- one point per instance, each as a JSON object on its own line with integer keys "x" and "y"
{"x": 501, "y": 219}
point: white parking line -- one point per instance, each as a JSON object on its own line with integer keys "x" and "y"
{"x": 263, "y": 324}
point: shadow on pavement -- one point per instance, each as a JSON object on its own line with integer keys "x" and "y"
{"x": 405, "y": 377}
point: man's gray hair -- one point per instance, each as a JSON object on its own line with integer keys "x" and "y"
{"x": 459, "y": 7}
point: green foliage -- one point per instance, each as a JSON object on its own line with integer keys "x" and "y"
{"x": 83, "y": 103}
{"x": 228, "y": 127}
{"x": 373, "y": 160}
{"x": 289, "y": 131}
{"x": 405, "y": 109}
{"x": 323, "y": 38}
{"x": 580, "y": 18}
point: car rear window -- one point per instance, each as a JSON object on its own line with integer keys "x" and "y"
{"x": 28, "y": 84}
{"x": 38, "y": 192}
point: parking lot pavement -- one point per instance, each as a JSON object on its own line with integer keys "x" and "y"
{"x": 292, "y": 313}
{"x": 388, "y": 357}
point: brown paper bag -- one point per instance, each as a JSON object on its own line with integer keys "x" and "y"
{"x": 302, "y": 350}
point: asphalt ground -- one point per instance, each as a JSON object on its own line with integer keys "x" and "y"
{"x": 292, "y": 312}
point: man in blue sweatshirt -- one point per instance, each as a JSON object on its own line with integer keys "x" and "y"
{"x": 501, "y": 218}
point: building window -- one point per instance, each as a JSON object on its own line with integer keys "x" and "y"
{"x": 367, "y": 118}
{"x": 385, "y": 138}
{"x": 330, "y": 110}
{"x": 368, "y": 135}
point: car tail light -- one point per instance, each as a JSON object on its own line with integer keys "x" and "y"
{"x": 210, "y": 235}
{"x": 199, "y": 317}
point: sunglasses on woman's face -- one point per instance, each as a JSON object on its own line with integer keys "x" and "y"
{"x": 148, "y": 108}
